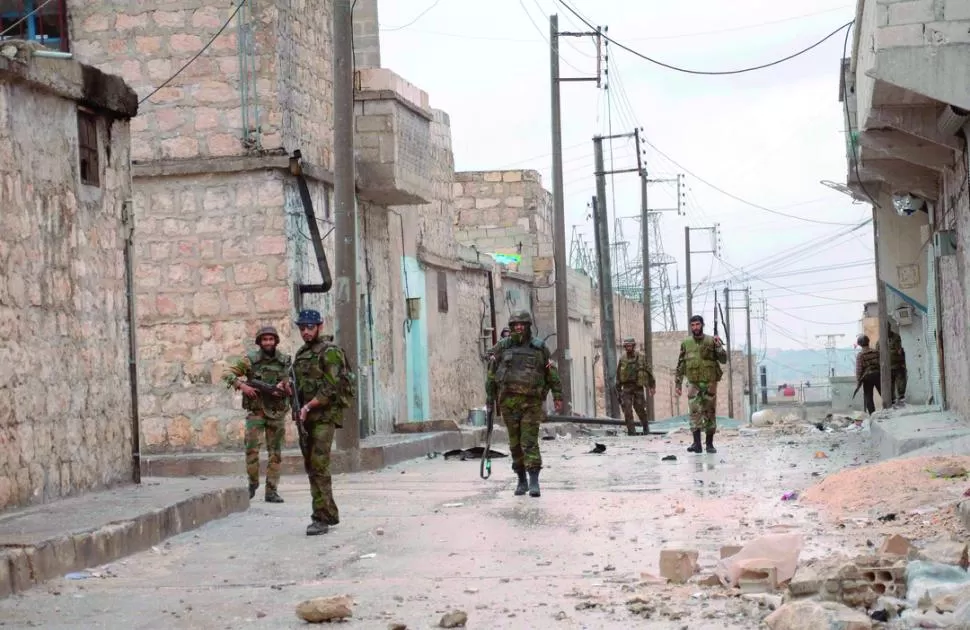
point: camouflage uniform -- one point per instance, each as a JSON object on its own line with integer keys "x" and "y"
{"x": 897, "y": 363}
{"x": 317, "y": 367}
{"x": 632, "y": 376}
{"x": 520, "y": 376}
{"x": 699, "y": 361}
{"x": 867, "y": 372}
{"x": 266, "y": 413}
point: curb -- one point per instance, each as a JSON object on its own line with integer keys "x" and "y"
{"x": 25, "y": 566}
{"x": 397, "y": 448}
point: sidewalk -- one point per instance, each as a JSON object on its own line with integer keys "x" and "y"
{"x": 42, "y": 542}
{"x": 916, "y": 431}
{"x": 376, "y": 452}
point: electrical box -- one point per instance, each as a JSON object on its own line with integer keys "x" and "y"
{"x": 945, "y": 242}
{"x": 414, "y": 308}
{"x": 904, "y": 315}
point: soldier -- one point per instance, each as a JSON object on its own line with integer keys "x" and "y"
{"x": 519, "y": 379}
{"x": 632, "y": 376}
{"x": 265, "y": 398}
{"x": 867, "y": 372}
{"x": 700, "y": 356}
{"x": 897, "y": 364}
{"x": 325, "y": 387}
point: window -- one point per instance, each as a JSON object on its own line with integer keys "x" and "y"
{"x": 442, "y": 292}
{"x": 87, "y": 147}
{"x": 47, "y": 26}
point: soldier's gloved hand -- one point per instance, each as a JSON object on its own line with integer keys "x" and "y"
{"x": 248, "y": 390}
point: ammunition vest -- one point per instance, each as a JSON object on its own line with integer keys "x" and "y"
{"x": 270, "y": 370}
{"x": 522, "y": 369}
{"x": 701, "y": 364}
{"x": 311, "y": 370}
{"x": 629, "y": 370}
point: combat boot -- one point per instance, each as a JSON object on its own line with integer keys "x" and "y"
{"x": 316, "y": 528}
{"x": 273, "y": 497}
{"x": 710, "y": 443}
{"x": 523, "y": 486}
{"x": 252, "y": 489}
{"x": 533, "y": 483}
{"x": 696, "y": 446}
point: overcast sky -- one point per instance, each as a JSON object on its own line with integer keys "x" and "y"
{"x": 768, "y": 137}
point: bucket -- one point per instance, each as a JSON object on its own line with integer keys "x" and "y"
{"x": 476, "y": 417}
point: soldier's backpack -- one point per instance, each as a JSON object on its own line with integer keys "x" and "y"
{"x": 346, "y": 378}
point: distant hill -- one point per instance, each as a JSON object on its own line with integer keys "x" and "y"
{"x": 797, "y": 366}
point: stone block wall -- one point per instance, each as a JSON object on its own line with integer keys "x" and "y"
{"x": 212, "y": 266}
{"x": 953, "y": 213}
{"x": 65, "y": 404}
{"x": 285, "y": 64}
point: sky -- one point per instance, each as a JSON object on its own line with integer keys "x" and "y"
{"x": 765, "y": 138}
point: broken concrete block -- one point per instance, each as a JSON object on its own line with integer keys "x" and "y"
{"x": 757, "y": 577}
{"x": 678, "y": 565}
{"x": 805, "y": 582}
{"x": 812, "y": 615}
{"x": 729, "y": 550}
{"x": 780, "y": 551}
{"x": 322, "y": 609}
{"x": 896, "y": 545}
{"x": 706, "y": 580}
{"x": 945, "y": 552}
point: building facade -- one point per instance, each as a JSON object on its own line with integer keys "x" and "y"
{"x": 906, "y": 104}
{"x": 65, "y": 335}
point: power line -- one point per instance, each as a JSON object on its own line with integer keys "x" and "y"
{"x": 743, "y": 27}
{"x": 710, "y": 72}
{"x": 197, "y": 55}
{"x": 418, "y": 17}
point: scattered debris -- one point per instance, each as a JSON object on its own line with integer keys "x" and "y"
{"x": 673, "y": 458}
{"x": 678, "y": 565}
{"x": 790, "y": 496}
{"x": 454, "y": 619}
{"x": 397, "y": 626}
{"x": 368, "y": 556}
{"x": 780, "y": 551}
{"x": 896, "y": 545}
{"x": 453, "y": 505}
{"x": 951, "y": 552}
{"x": 812, "y": 615}
{"x": 948, "y": 471}
{"x": 474, "y": 452}
{"x": 598, "y": 448}
{"x": 322, "y": 609}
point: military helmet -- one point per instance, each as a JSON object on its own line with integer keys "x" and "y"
{"x": 696, "y": 318}
{"x": 521, "y": 317}
{"x": 267, "y": 330}
{"x": 629, "y": 341}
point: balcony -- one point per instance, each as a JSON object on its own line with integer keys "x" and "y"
{"x": 905, "y": 94}
{"x": 392, "y": 134}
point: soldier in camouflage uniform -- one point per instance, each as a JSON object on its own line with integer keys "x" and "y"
{"x": 324, "y": 391}
{"x": 633, "y": 375}
{"x": 699, "y": 360}
{"x": 867, "y": 372}
{"x": 897, "y": 363}
{"x": 266, "y": 411}
{"x": 520, "y": 377}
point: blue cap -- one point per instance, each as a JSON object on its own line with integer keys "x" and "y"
{"x": 309, "y": 316}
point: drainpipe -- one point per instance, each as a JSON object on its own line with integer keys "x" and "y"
{"x": 129, "y": 226}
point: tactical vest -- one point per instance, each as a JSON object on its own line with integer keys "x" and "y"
{"x": 270, "y": 370}
{"x": 701, "y": 364}
{"x": 310, "y": 372}
{"x": 629, "y": 370}
{"x": 522, "y": 369}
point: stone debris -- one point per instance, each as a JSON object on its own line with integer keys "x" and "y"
{"x": 729, "y": 550}
{"x": 321, "y": 609}
{"x": 780, "y": 551}
{"x": 945, "y": 552}
{"x": 896, "y": 545}
{"x": 454, "y": 619}
{"x": 397, "y": 626}
{"x": 678, "y": 565}
{"x": 812, "y": 615}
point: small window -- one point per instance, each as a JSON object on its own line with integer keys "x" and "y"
{"x": 35, "y": 20}
{"x": 442, "y": 292}
{"x": 87, "y": 146}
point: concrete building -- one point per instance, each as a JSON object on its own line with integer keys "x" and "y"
{"x": 906, "y": 102}
{"x": 65, "y": 334}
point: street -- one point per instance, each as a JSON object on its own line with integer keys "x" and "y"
{"x": 429, "y": 536}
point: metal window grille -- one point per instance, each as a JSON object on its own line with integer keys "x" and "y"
{"x": 87, "y": 145}
{"x": 48, "y": 26}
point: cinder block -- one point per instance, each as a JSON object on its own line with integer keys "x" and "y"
{"x": 899, "y": 36}
{"x": 956, "y": 10}
{"x": 678, "y": 565}
{"x": 912, "y": 12}
{"x": 943, "y": 33}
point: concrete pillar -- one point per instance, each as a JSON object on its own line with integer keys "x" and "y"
{"x": 367, "y": 43}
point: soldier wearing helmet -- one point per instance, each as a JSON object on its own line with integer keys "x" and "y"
{"x": 520, "y": 376}
{"x": 267, "y": 406}
{"x": 633, "y": 375}
{"x": 700, "y": 361}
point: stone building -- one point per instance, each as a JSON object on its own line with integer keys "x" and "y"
{"x": 907, "y": 106}
{"x": 65, "y": 335}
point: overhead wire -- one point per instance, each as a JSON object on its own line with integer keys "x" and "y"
{"x": 25, "y": 18}
{"x": 744, "y": 27}
{"x": 708, "y": 72}
{"x": 418, "y": 17}
{"x": 544, "y": 36}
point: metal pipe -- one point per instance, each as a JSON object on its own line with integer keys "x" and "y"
{"x": 129, "y": 257}
{"x": 53, "y": 54}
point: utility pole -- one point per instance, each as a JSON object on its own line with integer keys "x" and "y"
{"x": 559, "y": 210}
{"x": 345, "y": 220}
{"x": 715, "y": 231}
{"x": 752, "y": 397}
{"x": 645, "y": 257}
{"x": 602, "y": 235}
{"x": 727, "y": 341}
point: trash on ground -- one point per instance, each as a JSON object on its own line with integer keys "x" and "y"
{"x": 599, "y": 448}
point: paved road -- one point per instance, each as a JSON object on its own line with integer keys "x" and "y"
{"x": 428, "y": 536}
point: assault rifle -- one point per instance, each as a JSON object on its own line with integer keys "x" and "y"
{"x": 485, "y": 468}
{"x": 295, "y": 405}
{"x": 265, "y": 388}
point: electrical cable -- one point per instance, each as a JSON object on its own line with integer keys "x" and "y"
{"x": 25, "y": 18}
{"x": 543, "y": 36}
{"x": 197, "y": 55}
{"x": 744, "y": 27}
{"x": 418, "y": 17}
{"x": 848, "y": 122}
{"x": 709, "y": 72}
